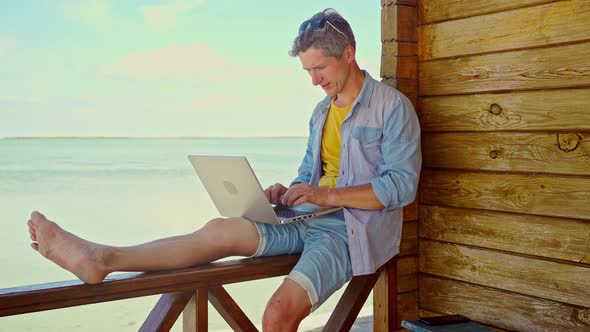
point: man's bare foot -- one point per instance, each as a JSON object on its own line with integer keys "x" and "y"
{"x": 81, "y": 257}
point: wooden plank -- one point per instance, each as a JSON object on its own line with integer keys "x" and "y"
{"x": 194, "y": 316}
{"x": 398, "y": 2}
{"x": 41, "y": 297}
{"x": 385, "y": 297}
{"x": 556, "y": 281}
{"x": 229, "y": 310}
{"x": 399, "y": 67}
{"x": 549, "y": 24}
{"x": 553, "y": 67}
{"x": 409, "y": 242}
{"x": 559, "y": 153}
{"x": 398, "y": 23}
{"x": 526, "y": 110}
{"x": 166, "y": 311}
{"x": 557, "y": 196}
{"x": 564, "y": 239}
{"x": 407, "y": 274}
{"x": 411, "y": 211}
{"x": 407, "y": 307}
{"x": 503, "y": 309}
{"x": 351, "y": 302}
{"x": 442, "y": 10}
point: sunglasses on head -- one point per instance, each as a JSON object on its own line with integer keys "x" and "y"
{"x": 319, "y": 24}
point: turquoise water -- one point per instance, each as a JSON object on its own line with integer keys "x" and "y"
{"x": 121, "y": 192}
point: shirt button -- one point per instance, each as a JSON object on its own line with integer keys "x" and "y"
{"x": 342, "y": 172}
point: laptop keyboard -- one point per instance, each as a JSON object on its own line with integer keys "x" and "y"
{"x": 285, "y": 212}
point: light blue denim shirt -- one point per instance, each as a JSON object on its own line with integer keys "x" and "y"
{"x": 381, "y": 146}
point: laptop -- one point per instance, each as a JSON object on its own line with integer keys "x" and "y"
{"x": 236, "y": 192}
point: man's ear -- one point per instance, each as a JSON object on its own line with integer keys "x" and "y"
{"x": 349, "y": 53}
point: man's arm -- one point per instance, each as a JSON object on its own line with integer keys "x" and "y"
{"x": 358, "y": 197}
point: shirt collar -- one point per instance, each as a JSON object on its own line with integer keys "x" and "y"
{"x": 364, "y": 97}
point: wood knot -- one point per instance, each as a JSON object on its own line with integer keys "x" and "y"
{"x": 568, "y": 142}
{"x": 493, "y": 154}
{"x": 495, "y": 109}
{"x": 581, "y": 316}
{"x": 524, "y": 197}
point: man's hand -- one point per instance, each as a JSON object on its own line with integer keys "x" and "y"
{"x": 275, "y": 192}
{"x": 305, "y": 193}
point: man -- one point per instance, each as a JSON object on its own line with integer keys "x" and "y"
{"x": 363, "y": 153}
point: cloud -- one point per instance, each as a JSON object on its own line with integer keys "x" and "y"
{"x": 90, "y": 12}
{"x": 163, "y": 17}
{"x": 195, "y": 62}
{"x": 173, "y": 61}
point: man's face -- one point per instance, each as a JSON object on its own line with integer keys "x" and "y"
{"x": 330, "y": 73}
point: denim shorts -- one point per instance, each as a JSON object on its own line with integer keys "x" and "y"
{"x": 324, "y": 265}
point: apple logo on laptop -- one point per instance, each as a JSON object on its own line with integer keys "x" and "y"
{"x": 230, "y": 187}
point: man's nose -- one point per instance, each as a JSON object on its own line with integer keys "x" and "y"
{"x": 315, "y": 79}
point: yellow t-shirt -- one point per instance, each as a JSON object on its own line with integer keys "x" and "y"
{"x": 330, "y": 151}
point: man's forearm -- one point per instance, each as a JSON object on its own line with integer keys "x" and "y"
{"x": 359, "y": 197}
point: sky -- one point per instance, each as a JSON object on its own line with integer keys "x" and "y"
{"x": 164, "y": 68}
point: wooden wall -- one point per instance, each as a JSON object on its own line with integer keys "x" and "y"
{"x": 504, "y": 215}
{"x": 399, "y": 65}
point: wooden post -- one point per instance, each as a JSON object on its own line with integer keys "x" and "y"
{"x": 385, "y": 298}
{"x": 194, "y": 316}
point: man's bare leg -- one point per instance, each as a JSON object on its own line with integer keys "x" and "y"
{"x": 287, "y": 307}
{"x": 92, "y": 262}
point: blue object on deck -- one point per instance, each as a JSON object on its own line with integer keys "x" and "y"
{"x": 418, "y": 326}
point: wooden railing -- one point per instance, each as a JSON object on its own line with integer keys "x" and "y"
{"x": 185, "y": 291}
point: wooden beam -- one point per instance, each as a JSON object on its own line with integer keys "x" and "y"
{"x": 194, "y": 316}
{"x": 548, "y": 195}
{"x": 41, "y": 297}
{"x": 553, "y": 238}
{"x": 557, "y": 281}
{"x": 558, "y": 153}
{"x": 409, "y": 242}
{"x": 503, "y": 309}
{"x": 229, "y": 310}
{"x": 549, "y": 24}
{"x": 385, "y": 298}
{"x": 539, "y": 68}
{"x": 166, "y": 311}
{"x": 442, "y": 10}
{"x": 549, "y": 110}
{"x": 351, "y": 302}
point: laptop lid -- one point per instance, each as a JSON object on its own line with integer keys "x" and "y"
{"x": 233, "y": 187}
{"x": 236, "y": 192}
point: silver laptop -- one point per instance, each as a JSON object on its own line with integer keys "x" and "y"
{"x": 236, "y": 192}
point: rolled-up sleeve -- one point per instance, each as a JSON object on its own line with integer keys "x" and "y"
{"x": 397, "y": 182}
{"x": 306, "y": 167}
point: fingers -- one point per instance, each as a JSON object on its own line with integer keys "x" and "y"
{"x": 275, "y": 192}
{"x": 35, "y": 246}
{"x": 296, "y": 194}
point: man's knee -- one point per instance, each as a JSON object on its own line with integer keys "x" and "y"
{"x": 288, "y": 306}
{"x": 234, "y": 236}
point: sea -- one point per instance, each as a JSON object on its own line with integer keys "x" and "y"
{"x": 124, "y": 191}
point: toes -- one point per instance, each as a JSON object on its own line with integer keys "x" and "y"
{"x": 37, "y": 215}
{"x": 35, "y": 246}
{"x": 33, "y": 237}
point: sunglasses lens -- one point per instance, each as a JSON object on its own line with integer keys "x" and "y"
{"x": 303, "y": 26}
{"x": 315, "y": 24}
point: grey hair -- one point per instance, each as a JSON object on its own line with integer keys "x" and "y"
{"x": 332, "y": 40}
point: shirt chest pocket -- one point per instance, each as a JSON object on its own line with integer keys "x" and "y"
{"x": 366, "y": 135}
